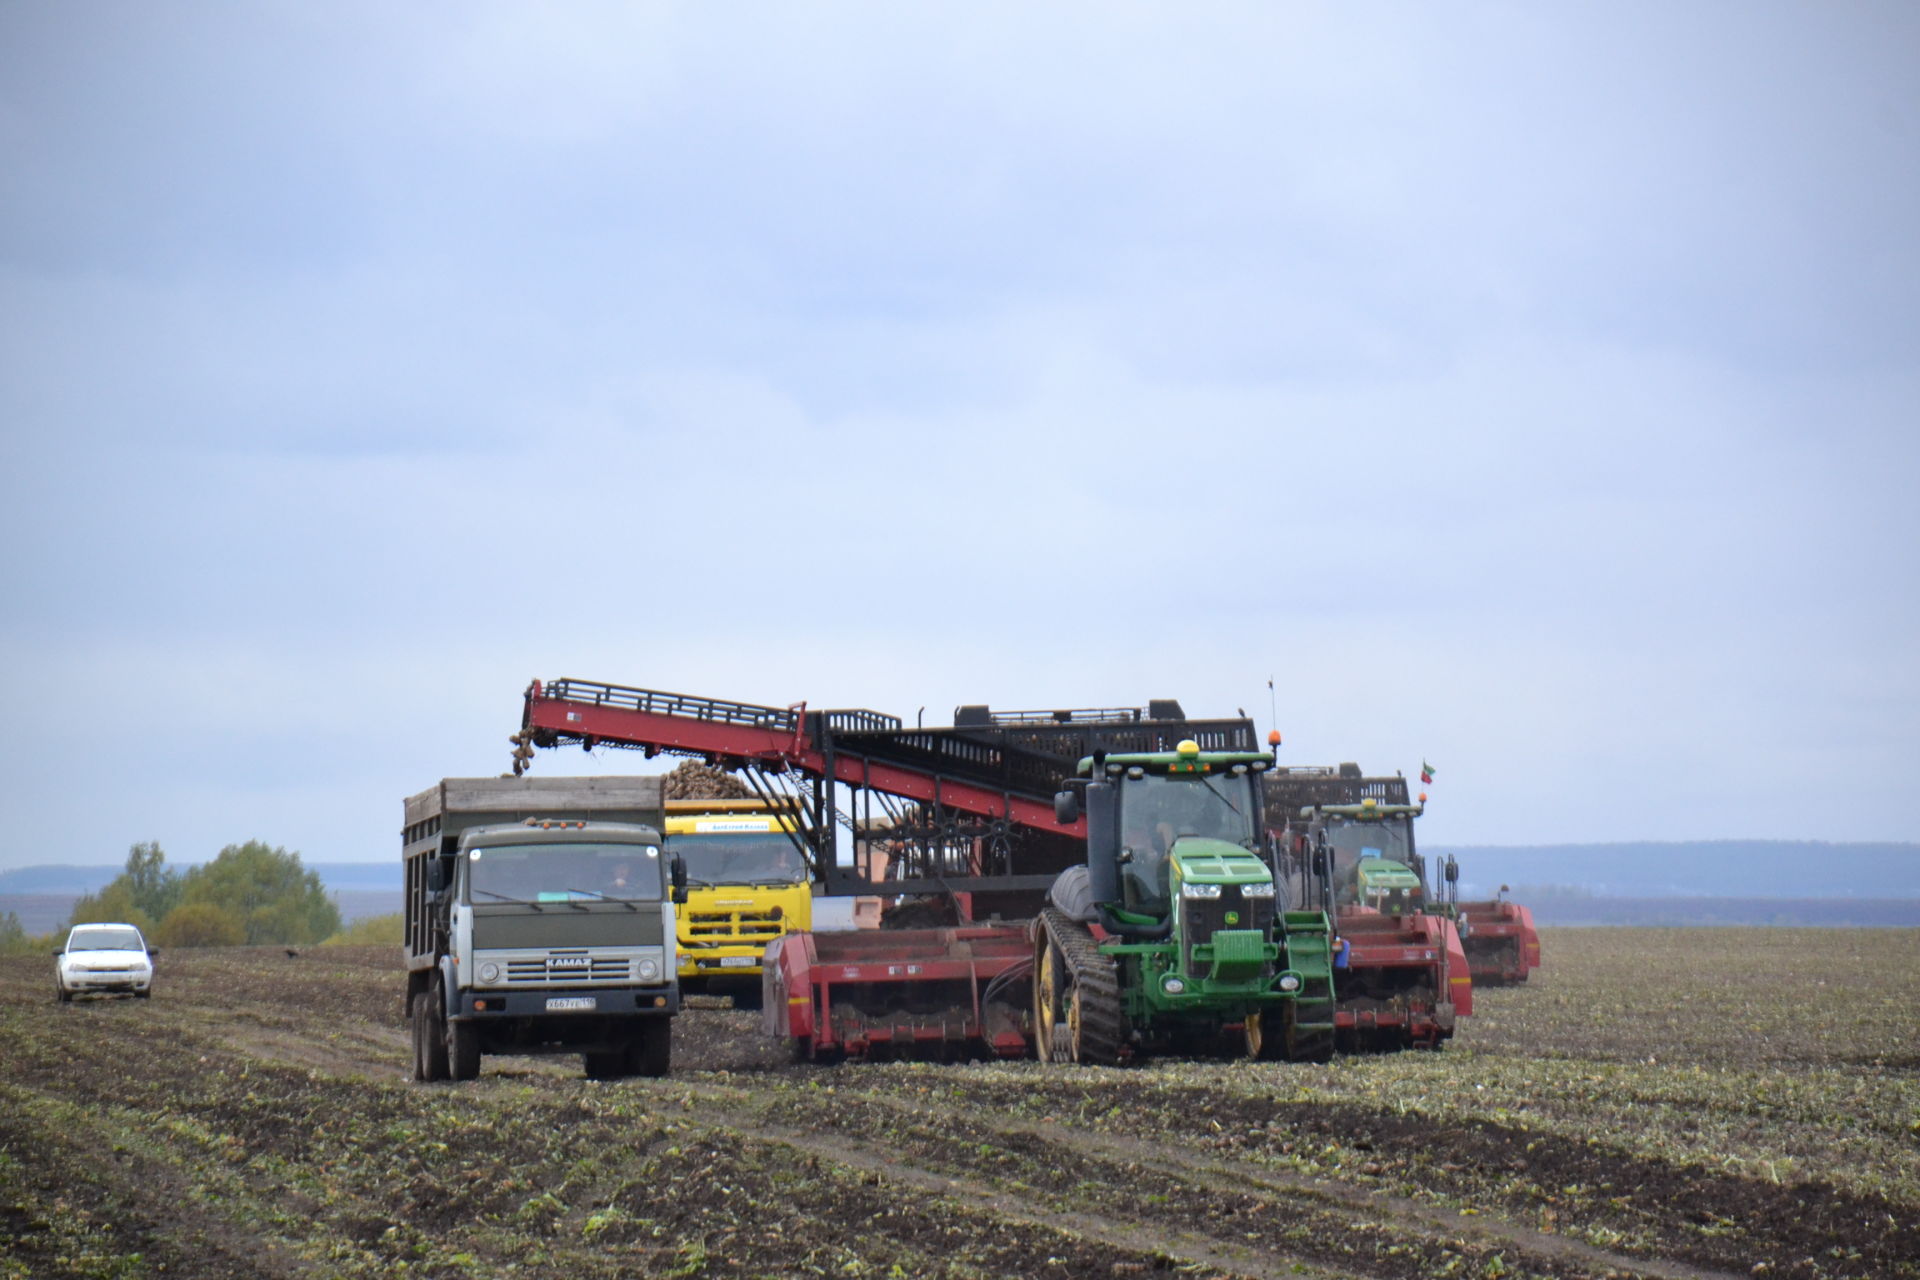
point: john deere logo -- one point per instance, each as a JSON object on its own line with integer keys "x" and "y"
{"x": 1233, "y": 917}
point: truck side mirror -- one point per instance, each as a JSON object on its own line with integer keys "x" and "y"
{"x": 436, "y": 875}
{"x": 1066, "y": 807}
{"x": 1453, "y": 870}
{"x": 677, "y": 871}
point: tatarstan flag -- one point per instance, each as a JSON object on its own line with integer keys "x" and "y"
{"x": 1426, "y": 772}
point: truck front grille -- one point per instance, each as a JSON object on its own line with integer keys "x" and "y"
{"x": 551, "y": 969}
{"x": 747, "y": 926}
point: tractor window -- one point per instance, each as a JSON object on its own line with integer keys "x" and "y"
{"x": 1155, "y": 811}
{"x": 1351, "y": 841}
{"x": 758, "y": 857}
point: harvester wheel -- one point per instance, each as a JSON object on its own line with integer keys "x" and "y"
{"x": 1312, "y": 1045}
{"x": 1049, "y": 979}
{"x": 1266, "y": 1039}
{"x": 1089, "y": 1000}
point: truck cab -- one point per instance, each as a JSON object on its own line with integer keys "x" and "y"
{"x": 747, "y": 886}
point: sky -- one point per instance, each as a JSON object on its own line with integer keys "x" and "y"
{"x": 1532, "y": 391}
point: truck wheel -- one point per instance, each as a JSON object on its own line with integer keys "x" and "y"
{"x": 608, "y": 1064}
{"x": 463, "y": 1050}
{"x": 429, "y": 1049}
{"x": 651, "y": 1052}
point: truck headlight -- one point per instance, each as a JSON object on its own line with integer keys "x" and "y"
{"x": 489, "y": 972}
{"x": 1199, "y": 890}
{"x": 649, "y": 970}
{"x": 1257, "y": 890}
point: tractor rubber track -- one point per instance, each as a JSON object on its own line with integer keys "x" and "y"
{"x": 1096, "y": 984}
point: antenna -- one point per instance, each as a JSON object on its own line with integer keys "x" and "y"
{"x": 1273, "y": 715}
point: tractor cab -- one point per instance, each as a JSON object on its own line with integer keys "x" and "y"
{"x": 1371, "y": 849}
{"x": 1169, "y": 827}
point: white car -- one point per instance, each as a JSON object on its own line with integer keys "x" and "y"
{"x": 103, "y": 957}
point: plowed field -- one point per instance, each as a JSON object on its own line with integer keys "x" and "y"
{"x": 1663, "y": 1103}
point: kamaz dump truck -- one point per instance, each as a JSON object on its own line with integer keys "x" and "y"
{"x": 747, "y": 886}
{"x": 1177, "y": 933}
{"x": 539, "y": 920}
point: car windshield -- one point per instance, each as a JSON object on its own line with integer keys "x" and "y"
{"x": 1155, "y": 811}
{"x": 562, "y": 872}
{"x": 123, "y": 938}
{"x": 739, "y": 857}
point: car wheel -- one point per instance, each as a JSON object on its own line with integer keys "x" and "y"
{"x": 144, "y": 993}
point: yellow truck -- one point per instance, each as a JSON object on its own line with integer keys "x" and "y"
{"x": 747, "y": 885}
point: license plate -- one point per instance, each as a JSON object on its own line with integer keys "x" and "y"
{"x": 560, "y": 1004}
{"x": 738, "y": 962}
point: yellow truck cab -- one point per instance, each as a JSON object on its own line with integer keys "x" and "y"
{"x": 746, "y": 886}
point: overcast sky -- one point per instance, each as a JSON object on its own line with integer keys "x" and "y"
{"x": 1532, "y": 389}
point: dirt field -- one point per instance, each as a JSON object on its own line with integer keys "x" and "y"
{"x": 1666, "y": 1103}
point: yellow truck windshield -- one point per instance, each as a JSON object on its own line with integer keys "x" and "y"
{"x": 739, "y": 857}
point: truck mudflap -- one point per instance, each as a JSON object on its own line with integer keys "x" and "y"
{"x": 1407, "y": 980}
{"x": 1502, "y": 945}
{"x": 951, "y": 992}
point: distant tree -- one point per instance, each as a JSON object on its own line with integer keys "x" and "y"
{"x": 155, "y": 886}
{"x": 200, "y": 924}
{"x": 114, "y": 903}
{"x": 373, "y": 931}
{"x": 13, "y": 935}
{"x": 266, "y": 889}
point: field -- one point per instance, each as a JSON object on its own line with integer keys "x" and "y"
{"x": 1677, "y": 1103}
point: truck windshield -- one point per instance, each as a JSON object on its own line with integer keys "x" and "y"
{"x": 1155, "y": 811}
{"x": 562, "y": 872}
{"x": 757, "y": 857}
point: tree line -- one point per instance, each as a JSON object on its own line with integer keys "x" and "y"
{"x": 250, "y": 894}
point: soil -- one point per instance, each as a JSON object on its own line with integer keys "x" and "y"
{"x": 255, "y": 1119}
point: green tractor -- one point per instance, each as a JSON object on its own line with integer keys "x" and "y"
{"x": 1176, "y": 935}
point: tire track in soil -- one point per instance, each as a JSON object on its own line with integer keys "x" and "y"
{"x": 1207, "y": 1168}
{"x": 145, "y": 1205}
{"x": 1779, "y": 1224}
{"x": 1281, "y": 1194}
{"x": 969, "y": 1196}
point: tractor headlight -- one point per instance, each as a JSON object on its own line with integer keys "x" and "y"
{"x": 1199, "y": 890}
{"x": 1172, "y": 985}
{"x": 1257, "y": 890}
{"x": 649, "y": 969}
{"x": 1289, "y": 982}
{"x": 489, "y": 972}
